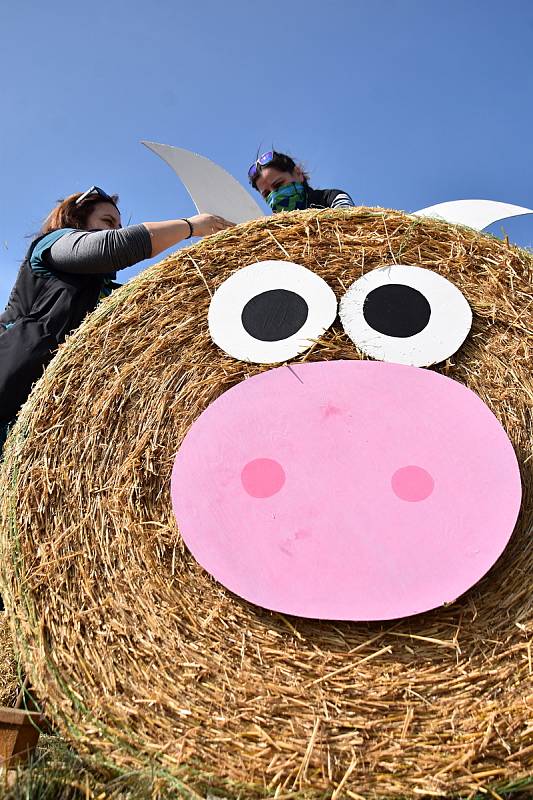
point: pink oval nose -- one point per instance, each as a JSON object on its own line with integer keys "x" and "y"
{"x": 347, "y": 489}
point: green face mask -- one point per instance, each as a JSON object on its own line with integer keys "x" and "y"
{"x": 287, "y": 198}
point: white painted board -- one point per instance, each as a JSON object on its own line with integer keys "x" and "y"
{"x": 212, "y": 189}
{"x": 225, "y": 312}
{"x": 477, "y": 214}
{"x": 448, "y": 325}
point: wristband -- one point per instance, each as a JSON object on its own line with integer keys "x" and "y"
{"x": 184, "y": 219}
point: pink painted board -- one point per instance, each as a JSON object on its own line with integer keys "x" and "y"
{"x": 348, "y": 490}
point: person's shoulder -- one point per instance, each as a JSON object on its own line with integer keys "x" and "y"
{"x": 326, "y": 198}
{"x": 336, "y": 192}
{"x": 337, "y": 198}
{"x": 41, "y": 245}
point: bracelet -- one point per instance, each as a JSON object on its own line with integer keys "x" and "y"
{"x": 184, "y": 219}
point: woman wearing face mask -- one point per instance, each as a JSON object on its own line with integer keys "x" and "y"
{"x": 69, "y": 267}
{"x": 284, "y": 185}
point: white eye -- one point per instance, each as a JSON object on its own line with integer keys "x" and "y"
{"x": 407, "y": 315}
{"x": 271, "y": 311}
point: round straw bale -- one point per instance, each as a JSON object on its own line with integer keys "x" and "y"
{"x": 145, "y": 660}
{"x": 9, "y": 679}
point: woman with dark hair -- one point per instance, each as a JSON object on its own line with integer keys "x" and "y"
{"x": 69, "y": 267}
{"x": 285, "y": 185}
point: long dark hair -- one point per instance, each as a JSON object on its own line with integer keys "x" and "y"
{"x": 280, "y": 161}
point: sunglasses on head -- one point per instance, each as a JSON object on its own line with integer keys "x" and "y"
{"x": 262, "y": 161}
{"x": 99, "y": 192}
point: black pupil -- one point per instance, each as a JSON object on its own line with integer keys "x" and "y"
{"x": 274, "y": 315}
{"x": 396, "y": 310}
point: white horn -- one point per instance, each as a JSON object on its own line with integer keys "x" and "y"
{"x": 212, "y": 189}
{"x": 476, "y": 214}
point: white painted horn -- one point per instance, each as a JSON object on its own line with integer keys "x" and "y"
{"x": 212, "y": 189}
{"x": 476, "y": 214}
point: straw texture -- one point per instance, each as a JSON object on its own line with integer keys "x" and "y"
{"x": 9, "y": 679}
{"x": 146, "y": 661}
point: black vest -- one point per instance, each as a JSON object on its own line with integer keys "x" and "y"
{"x": 321, "y": 198}
{"x": 40, "y": 312}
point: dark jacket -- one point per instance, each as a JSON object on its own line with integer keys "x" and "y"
{"x": 324, "y": 198}
{"x": 40, "y": 312}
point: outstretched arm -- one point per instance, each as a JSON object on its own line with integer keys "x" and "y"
{"x": 97, "y": 252}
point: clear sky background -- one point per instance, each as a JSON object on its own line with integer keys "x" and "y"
{"x": 403, "y": 104}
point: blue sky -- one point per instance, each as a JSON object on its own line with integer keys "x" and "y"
{"x": 403, "y": 104}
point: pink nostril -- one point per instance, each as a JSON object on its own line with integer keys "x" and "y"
{"x": 262, "y": 477}
{"x": 412, "y": 483}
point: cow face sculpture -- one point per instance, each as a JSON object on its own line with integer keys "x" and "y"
{"x": 128, "y": 636}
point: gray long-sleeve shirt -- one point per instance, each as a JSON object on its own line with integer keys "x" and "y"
{"x": 93, "y": 252}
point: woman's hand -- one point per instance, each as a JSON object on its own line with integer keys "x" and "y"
{"x": 205, "y": 224}
{"x": 166, "y": 234}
